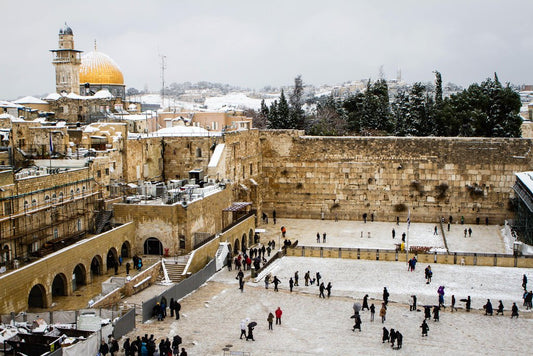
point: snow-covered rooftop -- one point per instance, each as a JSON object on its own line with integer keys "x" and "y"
{"x": 30, "y": 100}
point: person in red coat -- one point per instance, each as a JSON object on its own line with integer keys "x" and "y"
{"x": 278, "y": 316}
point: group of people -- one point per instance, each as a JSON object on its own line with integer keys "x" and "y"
{"x": 392, "y": 336}
{"x": 318, "y": 237}
{"x": 247, "y": 327}
{"x": 265, "y": 217}
{"x": 146, "y": 346}
{"x": 160, "y": 309}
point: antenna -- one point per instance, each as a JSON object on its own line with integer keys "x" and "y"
{"x": 163, "y": 67}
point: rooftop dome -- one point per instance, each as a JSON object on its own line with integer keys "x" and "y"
{"x": 99, "y": 68}
{"x": 66, "y": 31}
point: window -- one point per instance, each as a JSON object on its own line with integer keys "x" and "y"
{"x": 47, "y": 199}
{"x": 54, "y": 197}
{"x": 7, "y": 208}
{"x": 198, "y": 152}
{"x": 251, "y": 169}
{"x": 61, "y": 196}
{"x": 56, "y": 233}
{"x": 83, "y": 190}
{"x": 79, "y": 225}
{"x": 99, "y": 174}
{"x": 34, "y": 203}
{"x": 107, "y": 171}
{"x": 72, "y": 194}
{"x": 26, "y": 205}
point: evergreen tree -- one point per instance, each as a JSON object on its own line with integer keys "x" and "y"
{"x": 284, "y": 113}
{"x": 297, "y": 115}
{"x": 400, "y": 113}
{"x": 354, "y": 110}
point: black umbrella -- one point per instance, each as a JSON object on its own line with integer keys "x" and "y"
{"x": 252, "y": 324}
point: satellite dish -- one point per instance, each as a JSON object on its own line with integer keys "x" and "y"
{"x": 184, "y": 204}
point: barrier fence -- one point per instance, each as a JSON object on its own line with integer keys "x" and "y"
{"x": 459, "y": 258}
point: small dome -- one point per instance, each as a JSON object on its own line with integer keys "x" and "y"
{"x": 66, "y": 31}
{"x": 99, "y": 68}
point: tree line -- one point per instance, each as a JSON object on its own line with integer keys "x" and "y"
{"x": 489, "y": 109}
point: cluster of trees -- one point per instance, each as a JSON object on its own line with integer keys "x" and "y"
{"x": 488, "y": 109}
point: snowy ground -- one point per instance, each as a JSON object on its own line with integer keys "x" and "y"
{"x": 344, "y": 233}
{"x": 314, "y": 326}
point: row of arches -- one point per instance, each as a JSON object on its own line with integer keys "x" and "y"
{"x": 37, "y": 297}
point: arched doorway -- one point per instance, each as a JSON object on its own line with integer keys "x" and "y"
{"x": 236, "y": 247}
{"x": 37, "y": 296}
{"x": 243, "y": 242}
{"x": 152, "y": 246}
{"x": 251, "y": 237}
{"x": 78, "y": 276}
{"x": 59, "y": 285}
{"x": 112, "y": 258}
{"x": 125, "y": 250}
{"x": 96, "y": 266}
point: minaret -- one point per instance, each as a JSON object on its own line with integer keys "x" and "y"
{"x": 67, "y": 62}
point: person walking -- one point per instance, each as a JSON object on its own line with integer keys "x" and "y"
{"x": 291, "y": 284}
{"x": 318, "y": 276}
{"x": 296, "y": 278}
{"x": 328, "y": 288}
{"x": 524, "y": 282}
{"x": 500, "y": 308}
{"x": 383, "y": 312}
{"x": 270, "y": 320}
{"x": 514, "y": 311}
{"x": 357, "y": 322}
{"x": 318, "y": 237}
{"x": 425, "y": 328}
{"x": 278, "y": 313}
{"x": 372, "y": 311}
{"x": 453, "y": 303}
{"x": 393, "y": 233}
{"x": 243, "y": 328}
{"x": 412, "y": 307}
{"x": 488, "y": 308}
{"x": 276, "y": 282}
{"x": 321, "y": 289}
{"x": 385, "y": 336}
{"x": 307, "y": 277}
{"x": 324, "y": 237}
{"x": 365, "y": 302}
{"x": 385, "y": 296}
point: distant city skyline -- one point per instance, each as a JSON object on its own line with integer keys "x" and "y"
{"x": 256, "y": 44}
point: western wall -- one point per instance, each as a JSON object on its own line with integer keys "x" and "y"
{"x": 306, "y": 176}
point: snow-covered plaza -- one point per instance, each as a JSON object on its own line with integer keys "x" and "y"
{"x": 311, "y": 325}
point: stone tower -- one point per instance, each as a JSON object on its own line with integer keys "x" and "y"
{"x": 67, "y": 61}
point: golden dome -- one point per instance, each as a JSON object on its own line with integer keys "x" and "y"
{"x": 99, "y": 68}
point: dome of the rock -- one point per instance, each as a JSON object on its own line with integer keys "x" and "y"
{"x": 99, "y": 68}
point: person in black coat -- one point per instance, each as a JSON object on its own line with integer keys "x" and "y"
{"x": 392, "y": 335}
{"x": 488, "y": 308}
{"x": 365, "y": 302}
{"x": 372, "y": 312}
{"x": 357, "y": 321}
{"x": 500, "y": 308}
{"x": 250, "y": 333}
{"x": 127, "y": 347}
{"x": 436, "y": 310}
{"x": 514, "y": 311}
{"x": 385, "y": 336}
{"x": 104, "y": 349}
{"x": 385, "y": 296}
{"x": 171, "y": 306}
{"x": 427, "y": 312}
{"x": 425, "y": 328}
{"x": 399, "y": 340}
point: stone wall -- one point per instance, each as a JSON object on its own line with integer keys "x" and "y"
{"x": 388, "y": 176}
{"x": 16, "y": 285}
{"x": 170, "y": 223}
{"x": 143, "y": 159}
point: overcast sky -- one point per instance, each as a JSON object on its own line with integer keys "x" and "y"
{"x": 256, "y": 43}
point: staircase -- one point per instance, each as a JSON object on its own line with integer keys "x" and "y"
{"x": 175, "y": 268}
{"x": 102, "y": 219}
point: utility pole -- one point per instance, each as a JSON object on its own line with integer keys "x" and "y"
{"x": 163, "y": 67}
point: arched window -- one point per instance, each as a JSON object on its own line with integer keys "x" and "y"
{"x": 54, "y": 198}
{"x": 47, "y": 199}
{"x": 34, "y": 203}
{"x": 61, "y": 196}
{"x": 26, "y": 205}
